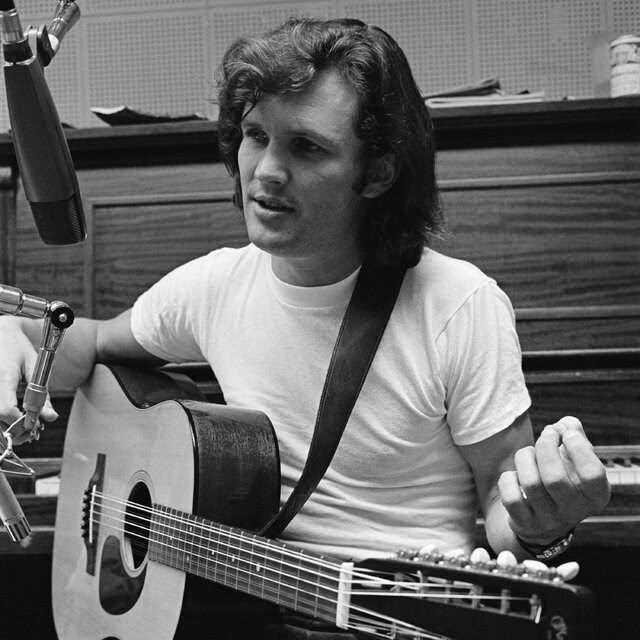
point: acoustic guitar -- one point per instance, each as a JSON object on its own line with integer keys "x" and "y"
{"x": 161, "y": 495}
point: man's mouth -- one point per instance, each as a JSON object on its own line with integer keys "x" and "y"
{"x": 273, "y": 204}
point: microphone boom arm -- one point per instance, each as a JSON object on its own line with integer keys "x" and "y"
{"x": 58, "y": 317}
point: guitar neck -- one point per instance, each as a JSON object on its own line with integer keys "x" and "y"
{"x": 267, "y": 569}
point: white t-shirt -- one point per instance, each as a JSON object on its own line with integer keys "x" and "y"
{"x": 447, "y": 372}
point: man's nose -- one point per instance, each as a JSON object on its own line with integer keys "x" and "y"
{"x": 272, "y": 165}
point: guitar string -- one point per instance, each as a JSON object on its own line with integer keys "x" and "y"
{"x": 419, "y": 587}
{"x": 269, "y": 545}
{"x": 312, "y": 608}
{"x": 366, "y": 577}
{"x": 366, "y": 620}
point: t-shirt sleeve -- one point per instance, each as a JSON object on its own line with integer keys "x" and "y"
{"x": 482, "y": 366}
{"x": 162, "y": 318}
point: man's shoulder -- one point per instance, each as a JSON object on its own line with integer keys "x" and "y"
{"x": 440, "y": 285}
{"x": 224, "y": 260}
{"x": 440, "y": 273}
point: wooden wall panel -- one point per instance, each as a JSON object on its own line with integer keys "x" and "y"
{"x": 136, "y": 241}
{"x": 557, "y": 227}
{"x": 549, "y": 159}
{"x": 551, "y": 245}
{"x": 605, "y": 401}
{"x": 141, "y": 224}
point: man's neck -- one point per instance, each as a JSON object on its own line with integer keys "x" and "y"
{"x": 303, "y": 273}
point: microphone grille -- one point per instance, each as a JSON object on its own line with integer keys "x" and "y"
{"x": 60, "y": 221}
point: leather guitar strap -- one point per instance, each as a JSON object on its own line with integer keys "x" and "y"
{"x": 362, "y": 327}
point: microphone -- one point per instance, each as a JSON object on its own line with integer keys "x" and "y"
{"x": 11, "y": 513}
{"x": 48, "y": 175}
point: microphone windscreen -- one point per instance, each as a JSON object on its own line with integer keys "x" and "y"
{"x": 59, "y": 222}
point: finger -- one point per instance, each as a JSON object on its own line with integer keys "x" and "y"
{"x": 557, "y": 471}
{"x": 8, "y": 416}
{"x": 565, "y": 425}
{"x": 586, "y": 466}
{"x": 514, "y": 501}
{"x": 48, "y": 413}
{"x": 9, "y": 380}
{"x": 529, "y": 477}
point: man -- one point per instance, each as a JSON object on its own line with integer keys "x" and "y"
{"x": 331, "y": 149}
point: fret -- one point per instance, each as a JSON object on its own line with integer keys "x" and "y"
{"x": 297, "y": 580}
{"x": 288, "y": 589}
{"x": 236, "y": 562}
{"x": 267, "y": 588}
{"x": 328, "y": 573}
{"x": 190, "y": 560}
{"x": 209, "y": 558}
{"x": 164, "y": 547}
{"x": 253, "y": 564}
{"x": 157, "y": 535}
{"x": 179, "y": 542}
{"x": 283, "y": 548}
{"x": 176, "y": 540}
{"x": 171, "y": 539}
{"x": 224, "y": 554}
{"x": 271, "y": 571}
{"x": 217, "y": 559}
{"x": 317, "y": 593}
{"x": 168, "y": 539}
{"x": 268, "y": 569}
{"x": 194, "y": 548}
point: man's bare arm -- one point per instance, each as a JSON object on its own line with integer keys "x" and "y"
{"x": 84, "y": 344}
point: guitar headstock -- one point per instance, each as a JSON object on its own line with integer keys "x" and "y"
{"x": 462, "y": 599}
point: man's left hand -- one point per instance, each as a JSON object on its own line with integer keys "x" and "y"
{"x": 556, "y": 484}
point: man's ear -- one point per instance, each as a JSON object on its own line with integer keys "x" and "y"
{"x": 380, "y": 175}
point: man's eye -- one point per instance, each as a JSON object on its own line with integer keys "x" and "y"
{"x": 306, "y": 145}
{"x": 256, "y": 135}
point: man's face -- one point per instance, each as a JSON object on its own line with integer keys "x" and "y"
{"x": 300, "y": 163}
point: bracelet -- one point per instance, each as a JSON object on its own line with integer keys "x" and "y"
{"x": 546, "y": 552}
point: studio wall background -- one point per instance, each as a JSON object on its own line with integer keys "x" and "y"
{"x": 160, "y": 56}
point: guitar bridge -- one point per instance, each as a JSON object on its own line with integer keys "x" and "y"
{"x": 90, "y": 523}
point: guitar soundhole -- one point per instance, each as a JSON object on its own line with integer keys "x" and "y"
{"x": 137, "y": 524}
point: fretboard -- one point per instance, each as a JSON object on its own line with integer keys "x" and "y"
{"x": 261, "y": 567}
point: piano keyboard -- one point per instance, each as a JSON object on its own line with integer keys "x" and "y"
{"x": 622, "y": 463}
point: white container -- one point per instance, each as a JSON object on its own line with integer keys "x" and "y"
{"x": 624, "y": 53}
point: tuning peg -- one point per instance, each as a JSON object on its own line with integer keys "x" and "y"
{"x": 431, "y": 553}
{"x": 454, "y": 553}
{"x": 480, "y": 556}
{"x": 428, "y": 549}
{"x": 506, "y": 560}
{"x": 535, "y": 566}
{"x": 568, "y": 570}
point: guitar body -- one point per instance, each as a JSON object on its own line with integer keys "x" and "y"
{"x": 130, "y": 438}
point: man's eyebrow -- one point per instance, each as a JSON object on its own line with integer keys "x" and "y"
{"x": 323, "y": 138}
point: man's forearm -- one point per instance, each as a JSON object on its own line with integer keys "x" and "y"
{"x": 76, "y": 354}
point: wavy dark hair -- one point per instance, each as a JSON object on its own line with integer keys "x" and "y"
{"x": 391, "y": 118}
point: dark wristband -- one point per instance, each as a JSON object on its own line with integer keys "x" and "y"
{"x": 546, "y": 552}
